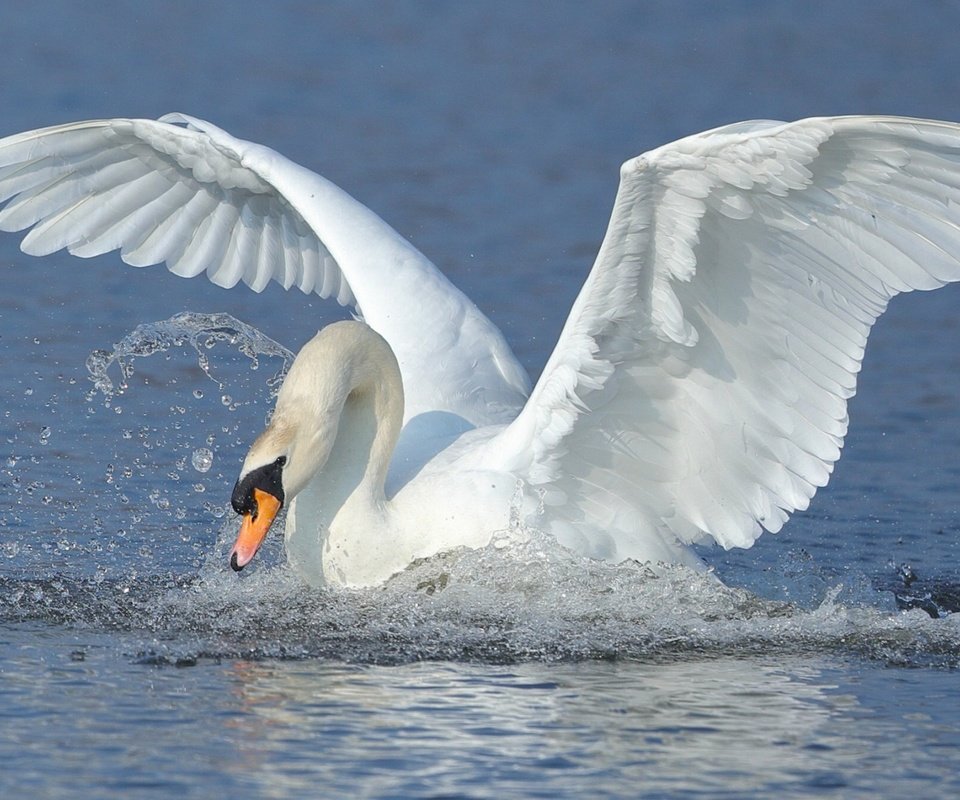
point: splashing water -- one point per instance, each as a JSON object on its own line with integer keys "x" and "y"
{"x": 152, "y": 476}
{"x": 201, "y": 332}
{"x": 521, "y": 601}
{"x": 167, "y": 439}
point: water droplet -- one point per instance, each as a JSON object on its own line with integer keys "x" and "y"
{"x": 45, "y": 434}
{"x": 198, "y": 393}
{"x": 214, "y": 509}
{"x": 202, "y": 459}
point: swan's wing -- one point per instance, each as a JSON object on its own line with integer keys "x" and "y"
{"x": 700, "y": 385}
{"x": 184, "y": 192}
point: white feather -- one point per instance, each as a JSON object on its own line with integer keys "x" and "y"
{"x": 759, "y": 256}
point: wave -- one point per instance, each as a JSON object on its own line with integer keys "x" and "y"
{"x": 505, "y": 603}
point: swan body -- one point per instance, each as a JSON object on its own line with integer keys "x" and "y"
{"x": 697, "y": 392}
{"x": 338, "y": 418}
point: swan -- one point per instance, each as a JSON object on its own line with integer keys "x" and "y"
{"x": 698, "y": 390}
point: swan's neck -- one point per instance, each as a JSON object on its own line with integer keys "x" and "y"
{"x": 370, "y": 422}
{"x": 345, "y": 446}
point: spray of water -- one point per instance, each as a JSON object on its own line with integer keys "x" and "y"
{"x": 201, "y": 332}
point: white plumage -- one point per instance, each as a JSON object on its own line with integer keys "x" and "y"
{"x": 699, "y": 386}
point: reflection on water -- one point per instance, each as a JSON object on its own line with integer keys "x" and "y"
{"x": 732, "y": 723}
{"x": 725, "y": 726}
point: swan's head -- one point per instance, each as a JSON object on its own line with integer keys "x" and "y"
{"x": 258, "y": 495}
{"x": 345, "y": 360}
{"x": 282, "y": 459}
{"x": 278, "y": 466}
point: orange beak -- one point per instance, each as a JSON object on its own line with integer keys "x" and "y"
{"x": 254, "y": 528}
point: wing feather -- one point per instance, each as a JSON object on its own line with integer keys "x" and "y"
{"x": 291, "y": 263}
{"x": 700, "y": 385}
{"x": 180, "y": 191}
{"x": 311, "y": 260}
{"x": 110, "y": 225}
{"x": 230, "y": 271}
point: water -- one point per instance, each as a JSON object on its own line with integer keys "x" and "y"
{"x": 134, "y": 663}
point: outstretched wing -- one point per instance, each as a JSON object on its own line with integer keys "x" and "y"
{"x": 184, "y": 192}
{"x": 700, "y": 385}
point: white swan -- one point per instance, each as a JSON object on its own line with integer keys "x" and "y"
{"x": 698, "y": 389}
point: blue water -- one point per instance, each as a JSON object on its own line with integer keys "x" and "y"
{"x": 134, "y": 663}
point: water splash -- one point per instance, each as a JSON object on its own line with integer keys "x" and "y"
{"x": 201, "y": 332}
{"x": 522, "y": 601}
{"x": 142, "y": 486}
